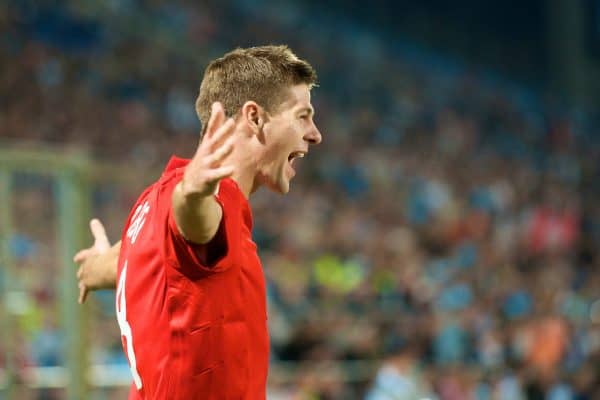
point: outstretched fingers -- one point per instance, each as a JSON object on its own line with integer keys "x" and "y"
{"x": 83, "y": 292}
{"x": 215, "y": 175}
{"x": 85, "y": 256}
{"x": 220, "y": 136}
{"x": 101, "y": 242}
{"x": 82, "y": 255}
{"x": 216, "y": 158}
{"x": 207, "y": 168}
{"x": 217, "y": 117}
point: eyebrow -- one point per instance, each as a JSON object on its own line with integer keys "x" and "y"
{"x": 310, "y": 110}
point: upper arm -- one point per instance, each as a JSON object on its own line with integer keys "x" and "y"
{"x": 196, "y": 217}
{"x": 217, "y": 253}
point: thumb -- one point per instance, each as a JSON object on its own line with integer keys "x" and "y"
{"x": 101, "y": 242}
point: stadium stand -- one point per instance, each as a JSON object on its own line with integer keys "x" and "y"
{"x": 443, "y": 238}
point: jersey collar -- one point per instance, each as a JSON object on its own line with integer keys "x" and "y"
{"x": 176, "y": 162}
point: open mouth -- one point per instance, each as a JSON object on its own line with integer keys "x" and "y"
{"x": 294, "y": 155}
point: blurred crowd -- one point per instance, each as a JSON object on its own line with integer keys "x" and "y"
{"x": 441, "y": 243}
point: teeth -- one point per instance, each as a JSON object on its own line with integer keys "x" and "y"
{"x": 296, "y": 154}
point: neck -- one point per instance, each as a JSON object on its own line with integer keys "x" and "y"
{"x": 245, "y": 168}
{"x": 245, "y": 184}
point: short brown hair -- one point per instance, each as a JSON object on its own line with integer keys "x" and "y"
{"x": 261, "y": 74}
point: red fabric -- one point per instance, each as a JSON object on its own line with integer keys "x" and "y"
{"x": 198, "y": 331}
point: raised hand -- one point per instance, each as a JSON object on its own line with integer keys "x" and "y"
{"x": 206, "y": 169}
{"x": 195, "y": 209}
{"x": 97, "y": 264}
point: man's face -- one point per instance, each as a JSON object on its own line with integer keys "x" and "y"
{"x": 288, "y": 134}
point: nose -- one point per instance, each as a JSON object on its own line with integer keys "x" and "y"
{"x": 314, "y": 135}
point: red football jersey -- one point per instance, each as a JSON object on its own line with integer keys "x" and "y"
{"x": 193, "y": 317}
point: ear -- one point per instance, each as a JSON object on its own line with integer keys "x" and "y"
{"x": 254, "y": 116}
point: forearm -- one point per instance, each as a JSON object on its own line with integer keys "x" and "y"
{"x": 197, "y": 216}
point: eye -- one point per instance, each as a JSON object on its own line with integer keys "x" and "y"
{"x": 304, "y": 116}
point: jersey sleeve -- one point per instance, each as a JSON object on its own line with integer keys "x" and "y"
{"x": 217, "y": 255}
